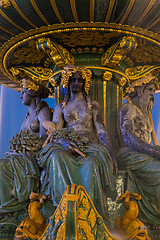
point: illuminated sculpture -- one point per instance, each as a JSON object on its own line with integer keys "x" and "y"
{"x": 129, "y": 226}
{"x": 107, "y": 37}
{"x": 63, "y": 166}
{"x": 34, "y": 226}
{"x": 19, "y": 172}
{"x": 137, "y": 155}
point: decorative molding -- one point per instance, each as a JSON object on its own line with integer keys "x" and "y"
{"x": 131, "y": 3}
{"x": 139, "y": 71}
{"x": 146, "y": 11}
{"x": 110, "y": 9}
{"x": 92, "y": 8}
{"x": 9, "y": 47}
{"x": 10, "y": 21}
{"x": 38, "y": 74}
{"x": 55, "y": 9}
{"x": 58, "y": 55}
{"x": 115, "y": 54}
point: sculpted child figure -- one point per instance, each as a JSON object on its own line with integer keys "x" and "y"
{"x": 19, "y": 172}
{"x": 63, "y": 165}
{"x": 137, "y": 155}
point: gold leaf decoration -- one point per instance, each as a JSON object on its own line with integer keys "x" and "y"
{"x": 146, "y": 54}
{"x": 5, "y": 4}
{"x": 87, "y": 38}
{"x": 107, "y": 76}
{"x": 28, "y": 54}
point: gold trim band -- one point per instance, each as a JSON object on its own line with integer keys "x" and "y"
{"x": 55, "y": 9}
{"x": 92, "y": 3}
{"x": 147, "y": 9}
{"x": 39, "y": 12}
{"x": 21, "y": 13}
{"x": 74, "y": 11}
{"x": 110, "y": 9}
{"x": 10, "y": 21}
{"x": 127, "y": 11}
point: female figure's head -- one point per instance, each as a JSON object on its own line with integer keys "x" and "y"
{"x": 76, "y": 83}
{"x": 32, "y": 93}
{"x": 77, "y": 79}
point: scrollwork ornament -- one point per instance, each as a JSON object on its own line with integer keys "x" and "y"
{"x": 107, "y": 76}
{"x": 122, "y": 81}
{"x": 14, "y": 71}
{"x": 139, "y": 71}
{"x": 59, "y": 55}
{"x": 39, "y": 75}
{"x": 116, "y": 53}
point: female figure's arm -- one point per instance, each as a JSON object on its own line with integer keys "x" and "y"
{"x": 101, "y": 130}
{"x": 58, "y": 118}
{"x": 44, "y": 114}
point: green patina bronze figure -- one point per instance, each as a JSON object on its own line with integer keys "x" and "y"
{"x": 63, "y": 166}
{"x": 19, "y": 171}
{"x": 137, "y": 155}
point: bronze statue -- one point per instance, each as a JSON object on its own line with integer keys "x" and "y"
{"x": 82, "y": 119}
{"x": 19, "y": 171}
{"x": 129, "y": 226}
{"x": 137, "y": 155}
{"x": 38, "y": 109}
{"x": 34, "y": 225}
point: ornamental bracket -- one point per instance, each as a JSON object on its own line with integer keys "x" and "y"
{"x": 58, "y": 55}
{"x": 116, "y": 53}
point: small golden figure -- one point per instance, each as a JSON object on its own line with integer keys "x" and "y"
{"x": 34, "y": 226}
{"x": 129, "y": 226}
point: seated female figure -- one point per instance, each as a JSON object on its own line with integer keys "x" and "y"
{"x": 63, "y": 166}
{"x": 19, "y": 172}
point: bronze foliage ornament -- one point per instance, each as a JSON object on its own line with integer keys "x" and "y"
{"x": 38, "y": 75}
{"x": 86, "y": 38}
{"x": 28, "y": 54}
{"x": 144, "y": 54}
